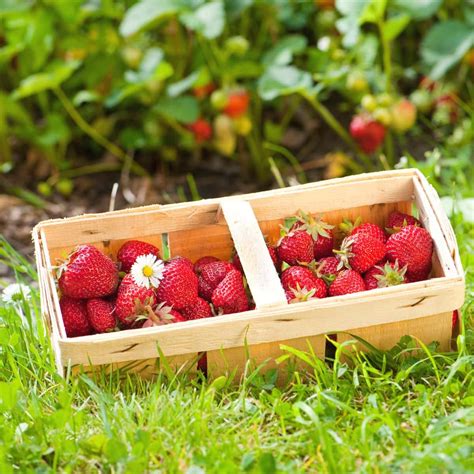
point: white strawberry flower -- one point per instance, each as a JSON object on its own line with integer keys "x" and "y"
{"x": 148, "y": 270}
{"x": 15, "y": 293}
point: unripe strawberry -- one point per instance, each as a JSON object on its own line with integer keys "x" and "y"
{"x": 382, "y": 115}
{"x": 225, "y": 139}
{"x": 369, "y": 102}
{"x": 368, "y": 133}
{"x": 385, "y": 99}
{"x": 237, "y": 103}
{"x": 242, "y": 125}
{"x": 422, "y": 99}
{"x": 237, "y": 45}
{"x": 219, "y": 99}
{"x": 356, "y": 82}
{"x": 403, "y": 115}
{"x": 201, "y": 129}
{"x": 447, "y": 109}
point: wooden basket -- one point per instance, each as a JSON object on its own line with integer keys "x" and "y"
{"x": 208, "y": 227}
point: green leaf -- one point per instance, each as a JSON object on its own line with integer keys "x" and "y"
{"x": 243, "y": 69}
{"x": 419, "y": 9}
{"x": 184, "y": 109}
{"x": 147, "y": 13}
{"x": 373, "y": 12}
{"x": 267, "y": 463}
{"x": 282, "y": 53}
{"x": 85, "y": 96}
{"x": 208, "y": 20}
{"x": 236, "y": 7}
{"x": 14, "y": 6}
{"x": 444, "y": 45}
{"x": 183, "y": 85}
{"x": 8, "y": 395}
{"x": 57, "y": 74}
{"x": 283, "y": 80}
{"x": 394, "y": 26}
{"x": 349, "y": 24}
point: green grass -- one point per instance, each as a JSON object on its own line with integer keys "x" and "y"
{"x": 378, "y": 414}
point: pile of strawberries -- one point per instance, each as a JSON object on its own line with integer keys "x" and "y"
{"x": 99, "y": 295}
{"x": 368, "y": 257}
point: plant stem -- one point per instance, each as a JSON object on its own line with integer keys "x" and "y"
{"x": 386, "y": 57}
{"x": 389, "y": 148}
{"x": 5, "y": 153}
{"x": 276, "y": 172}
{"x": 290, "y": 157}
{"x": 94, "y": 134}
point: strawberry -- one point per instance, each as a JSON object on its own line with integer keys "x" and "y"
{"x": 211, "y": 275}
{"x": 390, "y": 274}
{"x": 74, "y": 314}
{"x": 346, "y": 281}
{"x": 397, "y": 220}
{"x": 132, "y": 301}
{"x": 200, "y": 309}
{"x": 295, "y": 246}
{"x": 179, "y": 286}
{"x": 229, "y": 296}
{"x": 447, "y": 107}
{"x": 328, "y": 266}
{"x": 198, "y": 264}
{"x": 131, "y": 250}
{"x": 413, "y": 247}
{"x": 100, "y": 313}
{"x": 320, "y": 231}
{"x": 370, "y": 229}
{"x": 455, "y": 318}
{"x": 202, "y": 130}
{"x": 162, "y": 315}
{"x": 271, "y": 251}
{"x": 360, "y": 252}
{"x": 368, "y": 133}
{"x": 403, "y": 115}
{"x": 88, "y": 273}
{"x": 421, "y": 274}
{"x": 204, "y": 90}
{"x": 184, "y": 261}
{"x": 237, "y": 104}
{"x": 300, "y": 284}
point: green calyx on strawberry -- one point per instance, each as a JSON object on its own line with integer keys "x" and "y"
{"x": 367, "y": 228}
{"x": 295, "y": 245}
{"x": 87, "y": 273}
{"x": 300, "y": 283}
{"x": 390, "y": 274}
{"x": 397, "y": 220}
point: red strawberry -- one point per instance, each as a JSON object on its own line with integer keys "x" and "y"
{"x": 347, "y": 281}
{"x": 421, "y": 274}
{"x": 179, "y": 286}
{"x": 200, "y": 309}
{"x": 74, "y": 314}
{"x": 328, "y": 266}
{"x": 101, "y": 315}
{"x": 162, "y": 315}
{"x": 413, "y": 247}
{"x": 211, "y": 275}
{"x": 198, "y": 264}
{"x": 455, "y": 318}
{"x": 203, "y": 91}
{"x": 295, "y": 246}
{"x": 201, "y": 129}
{"x": 361, "y": 251}
{"x": 320, "y": 231}
{"x": 271, "y": 251}
{"x": 132, "y": 300}
{"x": 368, "y": 133}
{"x": 397, "y": 220}
{"x": 131, "y": 250}
{"x": 352, "y": 228}
{"x": 237, "y": 104}
{"x": 184, "y": 261}
{"x": 390, "y": 274}
{"x": 88, "y": 273}
{"x": 300, "y": 284}
{"x": 229, "y": 295}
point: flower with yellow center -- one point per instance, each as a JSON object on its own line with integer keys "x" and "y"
{"x": 147, "y": 271}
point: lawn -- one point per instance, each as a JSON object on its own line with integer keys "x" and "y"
{"x": 372, "y": 413}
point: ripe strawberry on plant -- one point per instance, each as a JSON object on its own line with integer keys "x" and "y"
{"x": 230, "y": 296}
{"x": 271, "y": 250}
{"x": 87, "y": 273}
{"x": 237, "y": 103}
{"x": 360, "y": 252}
{"x": 368, "y": 133}
{"x": 295, "y": 245}
{"x": 200, "y": 309}
{"x": 132, "y": 300}
{"x": 413, "y": 247}
{"x": 74, "y": 314}
{"x": 179, "y": 286}
{"x": 300, "y": 284}
{"x": 353, "y": 228}
{"x": 397, "y": 220}
{"x": 100, "y": 313}
{"x": 198, "y": 264}
{"x": 162, "y": 315}
{"x": 320, "y": 231}
{"x": 211, "y": 275}
{"x": 347, "y": 281}
{"x": 131, "y": 250}
{"x": 202, "y": 91}
{"x": 382, "y": 276}
{"x": 403, "y": 115}
{"x": 201, "y": 129}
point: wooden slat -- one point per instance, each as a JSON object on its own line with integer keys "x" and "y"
{"x": 234, "y": 361}
{"x": 384, "y": 305}
{"x": 259, "y": 269}
{"x": 385, "y": 336}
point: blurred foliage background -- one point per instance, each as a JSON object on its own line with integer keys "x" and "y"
{"x": 179, "y": 99}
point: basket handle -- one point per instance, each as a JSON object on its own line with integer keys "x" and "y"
{"x": 259, "y": 269}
